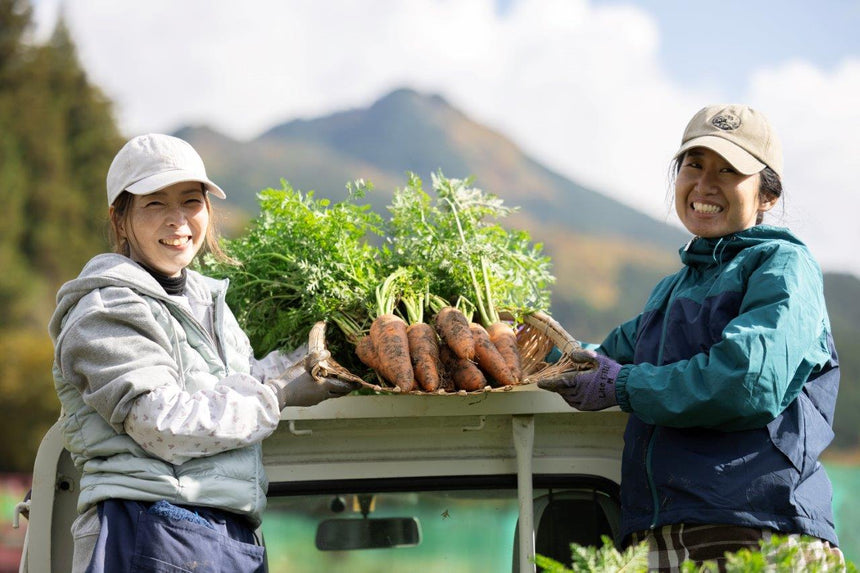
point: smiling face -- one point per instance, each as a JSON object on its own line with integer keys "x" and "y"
{"x": 166, "y": 229}
{"x": 712, "y": 199}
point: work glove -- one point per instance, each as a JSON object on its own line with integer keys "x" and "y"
{"x": 592, "y": 389}
{"x": 296, "y": 386}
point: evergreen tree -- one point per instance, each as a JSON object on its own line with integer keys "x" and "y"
{"x": 15, "y": 296}
{"x": 73, "y": 144}
{"x": 57, "y": 138}
{"x": 14, "y": 20}
{"x": 16, "y": 300}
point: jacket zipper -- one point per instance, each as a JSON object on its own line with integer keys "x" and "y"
{"x": 217, "y": 345}
{"x": 217, "y": 318}
{"x": 655, "y": 500}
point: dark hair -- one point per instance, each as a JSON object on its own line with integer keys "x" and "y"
{"x": 770, "y": 184}
{"x": 122, "y": 211}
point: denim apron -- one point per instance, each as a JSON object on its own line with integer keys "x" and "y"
{"x": 164, "y": 538}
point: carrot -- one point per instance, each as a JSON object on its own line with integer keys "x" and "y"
{"x": 465, "y": 374}
{"x": 424, "y": 352}
{"x": 489, "y": 359}
{"x": 453, "y": 329}
{"x": 388, "y": 333}
{"x": 366, "y": 352}
{"x": 505, "y": 339}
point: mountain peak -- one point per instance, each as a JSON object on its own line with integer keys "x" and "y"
{"x": 402, "y": 128}
{"x": 407, "y": 130}
{"x": 200, "y": 133}
{"x": 408, "y": 96}
{"x": 419, "y": 109}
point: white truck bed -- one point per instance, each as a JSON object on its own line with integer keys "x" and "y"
{"x": 520, "y": 434}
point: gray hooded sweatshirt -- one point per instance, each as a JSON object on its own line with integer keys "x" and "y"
{"x": 119, "y": 336}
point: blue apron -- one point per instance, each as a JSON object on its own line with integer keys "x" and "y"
{"x": 164, "y": 538}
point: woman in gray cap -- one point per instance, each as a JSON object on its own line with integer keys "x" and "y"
{"x": 729, "y": 373}
{"x": 163, "y": 405}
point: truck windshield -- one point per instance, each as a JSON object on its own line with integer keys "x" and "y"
{"x": 406, "y": 525}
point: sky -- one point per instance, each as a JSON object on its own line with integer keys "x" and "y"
{"x": 598, "y": 90}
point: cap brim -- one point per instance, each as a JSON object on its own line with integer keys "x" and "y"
{"x": 740, "y": 159}
{"x": 164, "y": 179}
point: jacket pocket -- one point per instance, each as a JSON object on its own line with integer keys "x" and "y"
{"x": 169, "y": 546}
{"x": 801, "y": 433}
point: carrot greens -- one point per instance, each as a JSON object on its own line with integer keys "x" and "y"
{"x": 304, "y": 260}
{"x": 456, "y": 233}
{"x": 301, "y": 261}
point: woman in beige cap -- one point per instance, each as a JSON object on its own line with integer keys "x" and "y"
{"x": 164, "y": 407}
{"x": 729, "y": 373}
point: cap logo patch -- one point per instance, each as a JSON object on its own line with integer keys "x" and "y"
{"x": 726, "y": 122}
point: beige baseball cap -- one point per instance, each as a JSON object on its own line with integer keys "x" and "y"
{"x": 148, "y": 163}
{"x": 740, "y": 134}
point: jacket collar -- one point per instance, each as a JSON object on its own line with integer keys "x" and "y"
{"x": 700, "y": 252}
{"x": 114, "y": 270}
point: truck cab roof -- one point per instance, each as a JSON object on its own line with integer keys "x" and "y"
{"x": 520, "y": 464}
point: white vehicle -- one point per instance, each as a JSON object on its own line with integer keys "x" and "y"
{"x": 479, "y": 482}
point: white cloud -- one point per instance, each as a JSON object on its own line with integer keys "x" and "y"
{"x": 580, "y": 87}
{"x": 817, "y": 118}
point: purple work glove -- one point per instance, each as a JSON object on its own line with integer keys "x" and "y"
{"x": 592, "y": 389}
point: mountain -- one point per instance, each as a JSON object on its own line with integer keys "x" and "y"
{"x": 842, "y": 291}
{"x": 596, "y": 243}
{"x": 407, "y": 131}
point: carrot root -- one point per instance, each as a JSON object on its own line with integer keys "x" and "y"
{"x": 489, "y": 358}
{"x": 424, "y": 353}
{"x": 366, "y": 352}
{"x": 464, "y": 373}
{"x": 388, "y": 333}
{"x": 453, "y": 329}
{"x": 504, "y": 338}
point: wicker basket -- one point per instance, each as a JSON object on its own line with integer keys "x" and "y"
{"x": 535, "y": 339}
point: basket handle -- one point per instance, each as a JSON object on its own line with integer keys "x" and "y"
{"x": 328, "y": 368}
{"x": 316, "y": 343}
{"x": 547, "y": 325}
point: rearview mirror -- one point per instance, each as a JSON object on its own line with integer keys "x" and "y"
{"x": 367, "y": 533}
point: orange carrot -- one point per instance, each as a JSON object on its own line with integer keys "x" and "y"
{"x": 388, "y": 332}
{"x": 505, "y": 339}
{"x": 424, "y": 352}
{"x": 465, "y": 374}
{"x": 366, "y": 352}
{"x": 453, "y": 329}
{"x": 489, "y": 359}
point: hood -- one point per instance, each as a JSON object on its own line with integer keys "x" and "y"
{"x": 114, "y": 270}
{"x": 701, "y": 252}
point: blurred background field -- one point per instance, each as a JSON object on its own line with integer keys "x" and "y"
{"x": 13, "y": 489}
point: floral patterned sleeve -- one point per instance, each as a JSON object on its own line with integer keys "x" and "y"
{"x": 177, "y": 426}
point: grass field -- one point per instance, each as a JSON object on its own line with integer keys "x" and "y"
{"x": 846, "y": 506}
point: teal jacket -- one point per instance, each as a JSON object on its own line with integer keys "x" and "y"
{"x": 731, "y": 376}
{"x": 118, "y": 335}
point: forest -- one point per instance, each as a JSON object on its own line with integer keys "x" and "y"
{"x": 57, "y": 138}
